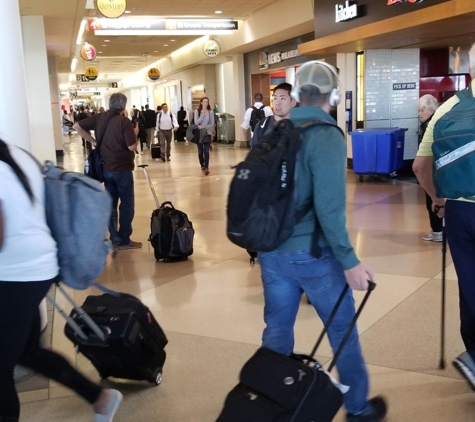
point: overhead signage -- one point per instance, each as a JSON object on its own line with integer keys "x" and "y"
{"x": 88, "y": 52}
{"x": 146, "y": 26}
{"x": 266, "y": 59}
{"x": 111, "y": 8}
{"x": 211, "y": 48}
{"x": 345, "y": 12}
{"x": 403, "y": 86}
{"x": 154, "y": 74}
{"x": 91, "y": 73}
{"x": 81, "y": 78}
{"x": 97, "y": 93}
{"x": 403, "y": 1}
{"x": 112, "y": 85}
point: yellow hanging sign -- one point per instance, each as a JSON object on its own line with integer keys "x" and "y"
{"x": 153, "y": 73}
{"x": 91, "y": 73}
{"x": 111, "y": 8}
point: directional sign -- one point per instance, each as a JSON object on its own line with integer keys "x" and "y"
{"x": 93, "y": 25}
{"x": 82, "y": 78}
{"x": 97, "y": 93}
{"x": 78, "y": 87}
{"x": 112, "y": 85}
{"x": 88, "y": 52}
{"x": 153, "y": 73}
{"x": 91, "y": 73}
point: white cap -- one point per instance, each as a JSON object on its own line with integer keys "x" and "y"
{"x": 318, "y": 74}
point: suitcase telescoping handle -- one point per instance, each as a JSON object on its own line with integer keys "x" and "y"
{"x": 82, "y": 315}
{"x": 143, "y": 167}
{"x": 371, "y": 287}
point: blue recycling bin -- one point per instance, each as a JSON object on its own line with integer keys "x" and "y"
{"x": 378, "y": 151}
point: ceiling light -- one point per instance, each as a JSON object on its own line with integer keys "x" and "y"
{"x": 128, "y": 11}
{"x": 82, "y": 27}
{"x": 172, "y": 40}
{"x": 106, "y": 40}
{"x": 74, "y": 62}
{"x": 103, "y": 45}
{"x": 165, "y": 45}
{"x": 99, "y": 52}
{"x": 156, "y": 51}
{"x": 218, "y": 12}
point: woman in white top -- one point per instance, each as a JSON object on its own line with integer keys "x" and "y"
{"x": 204, "y": 119}
{"x": 28, "y": 268}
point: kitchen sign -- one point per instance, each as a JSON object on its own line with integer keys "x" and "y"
{"x": 345, "y": 12}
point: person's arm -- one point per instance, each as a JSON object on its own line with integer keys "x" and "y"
{"x": 175, "y": 123}
{"x": 130, "y": 134}
{"x": 1, "y": 226}
{"x": 327, "y": 163}
{"x": 84, "y": 134}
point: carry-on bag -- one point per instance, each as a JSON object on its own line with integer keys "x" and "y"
{"x": 155, "y": 151}
{"x": 172, "y": 232}
{"x": 118, "y": 334}
{"x": 288, "y": 388}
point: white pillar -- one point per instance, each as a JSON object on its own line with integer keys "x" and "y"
{"x": 37, "y": 82}
{"x": 14, "y": 121}
{"x": 55, "y": 96}
{"x": 290, "y": 75}
{"x": 240, "y": 98}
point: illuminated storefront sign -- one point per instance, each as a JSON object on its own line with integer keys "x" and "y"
{"x": 272, "y": 58}
{"x": 345, "y": 12}
{"x": 403, "y": 1}
{"x": 111, "y": 8}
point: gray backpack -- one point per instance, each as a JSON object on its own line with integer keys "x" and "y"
{"x": 77, "y": 212}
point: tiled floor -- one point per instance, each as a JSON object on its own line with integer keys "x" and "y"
{"x": 211, "y": 305}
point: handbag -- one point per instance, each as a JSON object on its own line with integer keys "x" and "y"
{"x": 94, "y": 162}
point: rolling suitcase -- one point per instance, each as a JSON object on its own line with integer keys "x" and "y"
{"x": 288, "y": 388}
{"x": 172, "y": 232}
{"x": 155, "y": 151}
{"x": 119, "y": 335}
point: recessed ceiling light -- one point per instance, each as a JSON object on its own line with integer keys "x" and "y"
{"x": 106, "y": 40}
{"x": 103, "y": 45}
{"x": 218, "y": 12}
{"x": 172, "y": 40}
{"x": 99, "y": 52}
{"x": 128, "y": 11}
{"x": 156, "y": 51}
{"x": 165, "y": 45}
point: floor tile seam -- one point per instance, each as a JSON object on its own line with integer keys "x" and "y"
{"x": 415, "y": 372}
{"x": 389, "y": 311}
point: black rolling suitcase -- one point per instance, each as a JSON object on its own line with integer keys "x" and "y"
{"x": 119, "y": 335}
{"x": 155, "y": 151}
{"x": 287, "y": 388}
{"x": 172, "y": 232}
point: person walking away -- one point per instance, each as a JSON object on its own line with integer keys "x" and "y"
{"x": 138, "y": 120}
{"x": 117, "y": 150}
{"x": 318, "y": 258}
{"x": 182, "y": 125}
{"x": 426, "y": 106}
{"x": 459, "y": 227}
{"x": 81, "y": 116}
{"x": 253, "y": 115}
{"x": 204, "y": 120}
{"x": 166, "y": 125}
{"x": 283, "y": 103}
{"x": 28, "y": 268}
{"x": 150, "y": 122}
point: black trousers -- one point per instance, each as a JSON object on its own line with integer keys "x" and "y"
{"x": 20, "y": 344}
{"x": 435, "y": 222}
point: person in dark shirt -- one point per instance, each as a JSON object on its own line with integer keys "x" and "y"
{"x": 81, "y": 116}
{"x": 118, "y": 145}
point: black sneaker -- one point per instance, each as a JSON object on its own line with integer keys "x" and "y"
{"x": 466, "y": 366}
{"x": 377, "y": 414}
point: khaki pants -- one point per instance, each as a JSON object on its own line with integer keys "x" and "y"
{"x": 165, "y": 137}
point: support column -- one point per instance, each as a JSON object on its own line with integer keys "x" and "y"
{"x": 55, "y": 106}
{"x": 240, "y": 98}
{"x": 14, "y": 121}
{"x": 38, "y": 85}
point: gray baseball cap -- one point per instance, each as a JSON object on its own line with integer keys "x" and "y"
{"x": 318, "y": 74}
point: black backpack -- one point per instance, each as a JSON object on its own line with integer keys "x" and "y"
{"x": 261, "y": 210}
{"x": 256, "y": 116}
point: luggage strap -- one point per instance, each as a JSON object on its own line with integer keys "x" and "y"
{"x": 311, "y": 359}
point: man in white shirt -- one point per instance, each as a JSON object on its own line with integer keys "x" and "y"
{"x": 166, "y": 123}
{"x": 252, "y": 116}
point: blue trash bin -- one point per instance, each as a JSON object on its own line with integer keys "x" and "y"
{"x": 377, "y": 151}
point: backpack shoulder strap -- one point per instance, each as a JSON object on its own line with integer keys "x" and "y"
{"x": 262, "y": 107}
{"x": 314, "y": 123}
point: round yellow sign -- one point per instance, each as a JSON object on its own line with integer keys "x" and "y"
{"x": 111, "y": 8}
{"x": 91, "y": 73}
{"x": 153, "y": 73}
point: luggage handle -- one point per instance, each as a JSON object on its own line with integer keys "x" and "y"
{"x": 143, "y": 167}
{"x": 371, "y": 287}
{"x": 167, "y": 203}
{"x": 82, "y": 315}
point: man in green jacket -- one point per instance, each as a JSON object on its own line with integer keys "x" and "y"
{"x": 299, "y": 266}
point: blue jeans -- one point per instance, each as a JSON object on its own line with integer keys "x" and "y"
{"x": 460, "y": 229}
{"x": 285, "y": 276}
{"x": 120, "y": 185}
{"x": 203, "y": 155}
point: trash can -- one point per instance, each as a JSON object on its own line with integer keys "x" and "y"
{"x": 377, "y": 151}
{"x": 226, "y": 131}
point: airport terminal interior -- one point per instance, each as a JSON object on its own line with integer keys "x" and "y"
{"x": 211, "y": 306}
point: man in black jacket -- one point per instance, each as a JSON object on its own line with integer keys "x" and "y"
{"x": 150, "y": 121}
